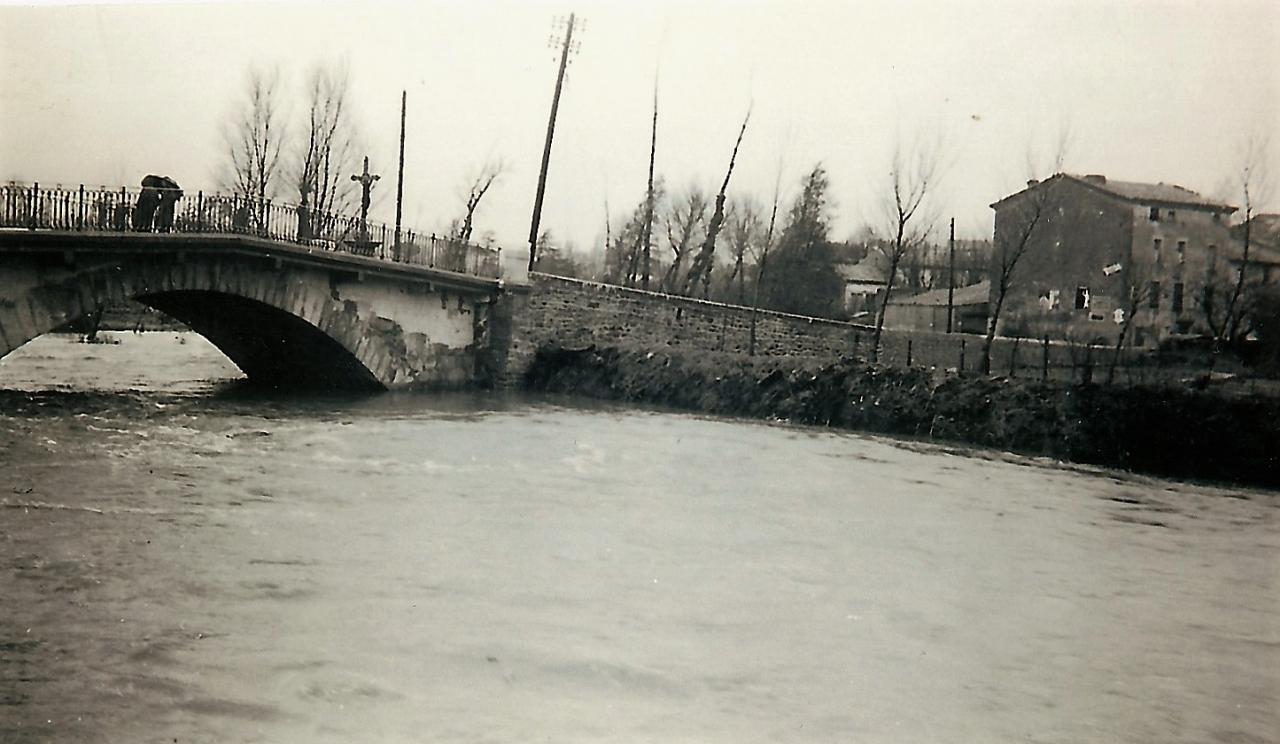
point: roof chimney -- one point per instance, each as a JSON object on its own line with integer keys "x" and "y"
{"x": 1031, "y": 182}
{"x": 1096, "y": 178}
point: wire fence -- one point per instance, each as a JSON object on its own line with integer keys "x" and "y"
{"x": 170, "y": 210}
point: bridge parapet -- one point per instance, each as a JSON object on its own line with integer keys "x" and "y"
{"x": 123, "y": 210}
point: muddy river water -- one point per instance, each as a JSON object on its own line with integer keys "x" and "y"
{"x": 182, "y": 559}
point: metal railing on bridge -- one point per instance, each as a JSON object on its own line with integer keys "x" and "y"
{"x": 32, "y": 207}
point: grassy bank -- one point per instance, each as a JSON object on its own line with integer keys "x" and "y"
{"x": 1170, "y": 431}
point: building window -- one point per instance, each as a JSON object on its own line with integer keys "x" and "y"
{"x": 1155, "y": 248}
{"x": 1173, "y": 216}
{"x": 1177, "y": 297}
{"x": 1155, "y": 214}
{"x": 1082, "y": 298}
{"x": 1182, "y": 252}
{"x": 1153, "y": 296}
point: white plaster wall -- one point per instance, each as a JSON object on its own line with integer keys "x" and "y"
{"x": 443, "y": 317}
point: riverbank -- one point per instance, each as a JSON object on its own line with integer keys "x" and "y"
{"x": 1165, "y": 430}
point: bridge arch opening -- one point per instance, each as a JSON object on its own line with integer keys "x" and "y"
{"x": 272, "y": 347}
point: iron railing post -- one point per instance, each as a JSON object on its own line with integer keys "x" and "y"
{"x": 82, "y": 207}
{"x": 35, "y": 194}
{"x": 200, "y": 211}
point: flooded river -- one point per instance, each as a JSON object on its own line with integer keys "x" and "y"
{"x": 182, "y": 560}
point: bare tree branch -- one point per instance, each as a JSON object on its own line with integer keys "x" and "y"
{"x": 703, "y": 262}
{"x": 1253, "y": 179}
{"x": 253, "y": 139}
{"x": 1023, "y": 218}
{"x": 913, "y": 177}
{"x": 744, "y": 238}
{"x": 682, "y": 223}
{"x": 485, "y": 178}
{"x": 328, "y": 152}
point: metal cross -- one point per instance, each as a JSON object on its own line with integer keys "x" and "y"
{"x": 365, "y": 180}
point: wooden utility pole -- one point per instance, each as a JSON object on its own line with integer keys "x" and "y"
{"x": 951, "y": 274}
{"x": 648, "y": 208}
{"x": 404, "y": 99}
{"x": 546, "y": 149}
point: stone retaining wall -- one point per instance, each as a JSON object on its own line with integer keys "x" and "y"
{"x": 572, "y": 313}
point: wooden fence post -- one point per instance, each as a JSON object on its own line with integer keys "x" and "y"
{"x": 1044, "y": 363}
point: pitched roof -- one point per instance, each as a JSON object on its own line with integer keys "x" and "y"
{"x": 1264, "y": 228}
{"x": 1135, "y": 191}
{"x": 872, "y": 269}
{"x": 1163, "y": 193}
{"x": 974, "y": 294}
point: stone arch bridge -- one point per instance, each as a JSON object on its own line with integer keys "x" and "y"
{"x": 314, "y": 313}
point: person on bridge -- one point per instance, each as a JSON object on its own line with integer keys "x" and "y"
{"x": 304, "y": 219}
{"x": 144, "y": 211}
{"x": 170, "y": 193}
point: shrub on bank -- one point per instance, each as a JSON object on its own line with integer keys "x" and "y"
{"x": 1179, "y": 432}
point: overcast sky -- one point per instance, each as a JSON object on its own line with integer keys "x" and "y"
{"x": 1151, "y": 90}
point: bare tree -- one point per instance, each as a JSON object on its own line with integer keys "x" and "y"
{"x": 682, "y": 222}
{"x": 703, "y": 262}
{"x": 254, "y": 137}
{"x": 912, "y": 178}
{"x": 1024, "y": 217}
{"x": 1141, "y": 291}
{"x": 624, "y": 257}
{"x": 744, "y": 235}
{"x": 1252, "y": 180}
{"x": 327, "y": 154}
{"x": 763, "y": 261}
{"x": 480, "y": 185}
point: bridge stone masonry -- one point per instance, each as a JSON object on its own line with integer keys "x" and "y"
{"x": 353, "y": 311}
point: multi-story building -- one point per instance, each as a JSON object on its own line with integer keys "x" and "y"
{"x": 1101, "y": 250}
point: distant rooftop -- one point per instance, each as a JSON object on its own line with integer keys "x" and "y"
{"x": 1264, "y": 240}
{"x": 974, "y": 294}
{"x": 1265, "y": 228}
{"x": 1135, "y": 191}
{"x": 1164, "y": 193}
{"x": 872, "y": 269}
